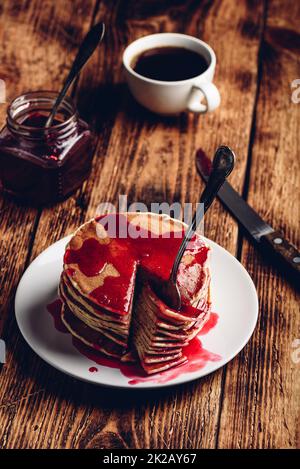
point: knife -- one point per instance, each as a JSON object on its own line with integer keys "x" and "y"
{"x": 269, "y": 240}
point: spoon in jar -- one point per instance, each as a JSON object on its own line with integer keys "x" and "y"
{"x": 86, "y": 49}
{"x": 221, "y": 168}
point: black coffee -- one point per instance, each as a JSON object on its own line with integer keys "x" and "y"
{"x": 169, "y": 64}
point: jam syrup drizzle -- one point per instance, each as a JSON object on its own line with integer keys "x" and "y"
{"x": 156, "y": 256}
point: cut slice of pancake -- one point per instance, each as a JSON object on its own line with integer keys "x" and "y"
{"x": 109, "y": 303}
{"x": 148, "y": 334}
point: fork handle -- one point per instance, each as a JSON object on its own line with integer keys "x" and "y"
{"x": 222, "y": 166}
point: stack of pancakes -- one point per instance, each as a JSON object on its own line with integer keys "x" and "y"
{"x": 106, "y": 288}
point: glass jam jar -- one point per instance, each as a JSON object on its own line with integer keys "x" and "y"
{"x": 41, "y": 165}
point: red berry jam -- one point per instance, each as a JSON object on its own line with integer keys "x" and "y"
{"x": 41, "y": 165}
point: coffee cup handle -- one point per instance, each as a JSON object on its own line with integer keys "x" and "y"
{"x": 211, "y": 96}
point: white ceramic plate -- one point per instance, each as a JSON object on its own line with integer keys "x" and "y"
{"x": 234, "y": 298}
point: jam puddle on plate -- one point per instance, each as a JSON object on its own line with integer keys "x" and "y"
{"x": 197, "y": 356}
{"x": 55, "y": 310}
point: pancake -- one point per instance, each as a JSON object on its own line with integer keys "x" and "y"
{"x": 110, "y": 266}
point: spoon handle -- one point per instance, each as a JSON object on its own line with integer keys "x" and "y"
{"x": 222, "y": 166}
{"x": 86, "y": 49}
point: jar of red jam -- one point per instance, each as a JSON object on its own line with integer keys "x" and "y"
{"x": 38, "y": 164}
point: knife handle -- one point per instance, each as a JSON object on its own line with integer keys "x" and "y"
{"x": 286, "y": 253}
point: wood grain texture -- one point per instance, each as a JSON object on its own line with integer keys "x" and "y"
{"x": 262, "y": 394}
{"x": 150, "y": 159}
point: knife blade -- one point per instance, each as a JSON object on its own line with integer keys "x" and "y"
{"x": 281, "y": 251}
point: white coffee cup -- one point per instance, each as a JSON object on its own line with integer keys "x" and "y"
{"x": 196, "y": 94}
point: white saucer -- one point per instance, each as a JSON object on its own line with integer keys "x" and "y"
{"x": 234, "y": 298}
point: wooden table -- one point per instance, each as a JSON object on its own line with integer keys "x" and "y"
{"x": 253, "y": 402}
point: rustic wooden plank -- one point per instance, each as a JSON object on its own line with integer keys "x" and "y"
{"x": 36, "y": 39}
{"x": 150, "y": 159}
{"x": 262, "y": 393}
